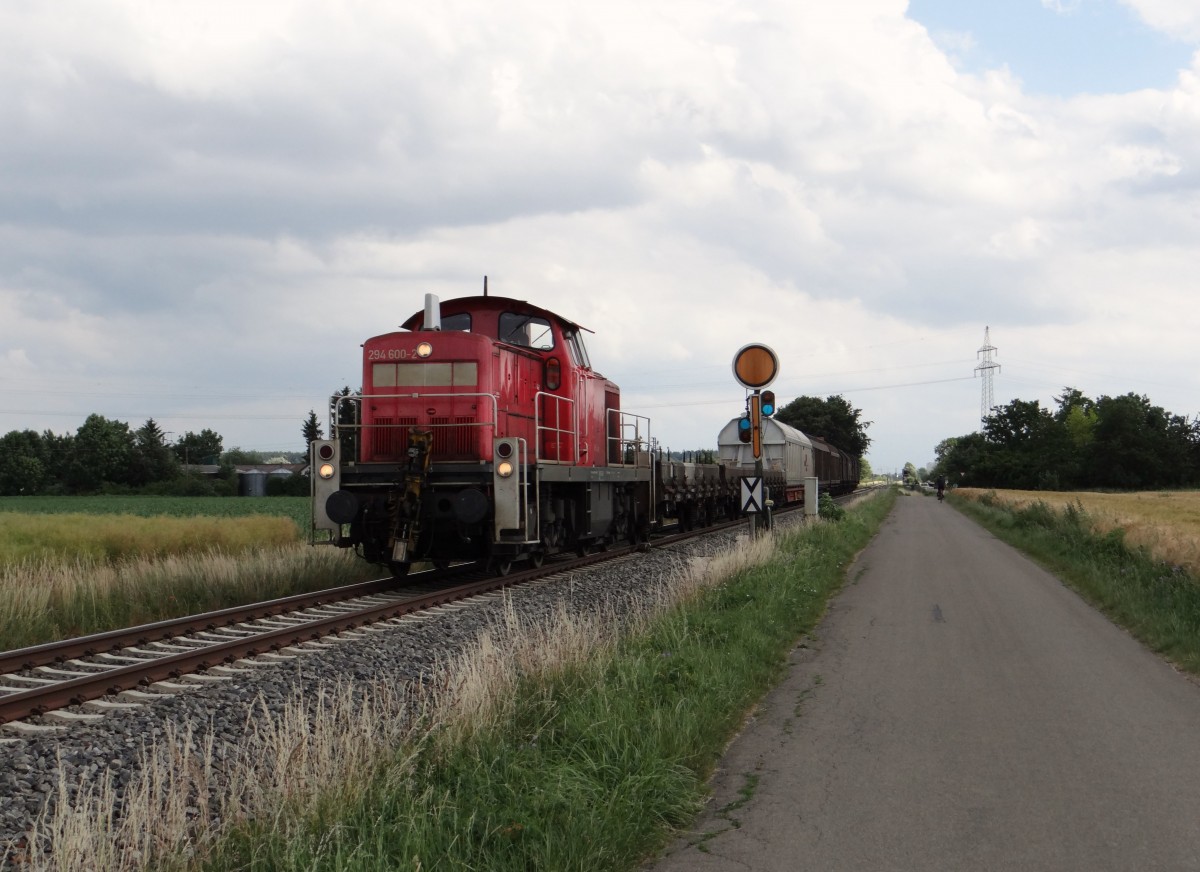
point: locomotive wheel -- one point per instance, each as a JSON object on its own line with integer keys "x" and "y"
{"x": 537, "y": 558}
{"x": 502, "y": 567}
{"x": 399, "y": 570}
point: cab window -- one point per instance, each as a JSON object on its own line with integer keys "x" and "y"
{"x": 461, "y": 321}
{"x": 528, "y": 331}
{"x": 578, "y": 350}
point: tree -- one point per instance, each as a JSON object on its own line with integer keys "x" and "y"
{"x": 832, "y": 419}
{"x": 152, "y": 459}
{"x": 1138, "y": 445}
{"x": 1030, "y": 449}
{"x": 865, "y": 473}
{"x": 102, "y": 452}
{"x": 961, "y": 459}
{"x": 311, "y": 430}
{"x": 24, "y": 465}
{"x": 347, "y": 422}
{"x": 198, "y": 448}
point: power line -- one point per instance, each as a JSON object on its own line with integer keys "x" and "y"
{"x": 726, "y": 400}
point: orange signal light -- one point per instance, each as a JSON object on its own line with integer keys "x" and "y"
{"x": 755, "y": 366}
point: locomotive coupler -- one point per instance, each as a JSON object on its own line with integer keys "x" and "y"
{"x": 406, "y": 516}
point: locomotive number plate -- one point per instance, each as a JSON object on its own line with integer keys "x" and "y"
{"x": 392, "y": 354}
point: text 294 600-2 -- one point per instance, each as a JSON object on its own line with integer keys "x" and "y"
{"x": 392, "y": 354}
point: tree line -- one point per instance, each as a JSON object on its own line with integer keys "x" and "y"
{"x": 1123, "y": 442}
{"x": 832, "y": 419}
{"x": 108, "y": 456}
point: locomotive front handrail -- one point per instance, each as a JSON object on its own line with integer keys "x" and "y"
{"x": 525, "y": 470}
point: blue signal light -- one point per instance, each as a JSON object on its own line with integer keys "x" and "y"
{"x": 744, "y": 428}
{"x": 767, "y": 403}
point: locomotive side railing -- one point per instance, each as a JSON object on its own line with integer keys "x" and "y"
{"x": 556, "y": 420}
{"x": 346, "y": 424}
{"x": 628, "y": 439}
{"x": 629, "y": 445}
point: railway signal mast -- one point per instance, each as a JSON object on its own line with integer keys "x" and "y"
{"x": 755, "y": 366}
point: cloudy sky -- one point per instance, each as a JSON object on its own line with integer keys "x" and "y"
{"x": 206, "y": 207}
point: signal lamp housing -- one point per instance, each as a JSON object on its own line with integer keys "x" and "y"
{"x": 744, "y": 428}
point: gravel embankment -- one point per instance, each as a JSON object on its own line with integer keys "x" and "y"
{"x": 32, "y": 768}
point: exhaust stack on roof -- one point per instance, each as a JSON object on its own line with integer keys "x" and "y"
{"x": 433, "y": 313}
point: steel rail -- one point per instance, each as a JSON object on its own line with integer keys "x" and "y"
{"x": 75, "y": 691}
{"x": 112, "y": 640}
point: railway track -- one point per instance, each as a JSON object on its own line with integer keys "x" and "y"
{"x": 77, "y": 680}
{"x": 47, "y": 686}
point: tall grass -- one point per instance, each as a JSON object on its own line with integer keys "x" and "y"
{"x": 1156, "y": 600}
{"x": 1166, "y": 523}
{"x": 48, "y": 599}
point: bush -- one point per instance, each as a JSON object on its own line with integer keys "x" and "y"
{"x": 829, "y": 510}
{"x": 295, "y": 485}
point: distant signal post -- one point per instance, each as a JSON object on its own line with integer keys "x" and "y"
{"x": 755, "y": 366}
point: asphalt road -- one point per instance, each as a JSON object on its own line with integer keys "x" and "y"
{"x": 959, "y": 708}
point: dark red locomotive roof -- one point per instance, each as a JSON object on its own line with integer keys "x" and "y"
{"x": 467, "y": 305}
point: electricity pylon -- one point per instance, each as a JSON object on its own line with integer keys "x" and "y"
{"x": 987, "y": 369}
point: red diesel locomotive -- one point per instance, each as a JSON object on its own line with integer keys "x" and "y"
{"x": 481, "y": 433}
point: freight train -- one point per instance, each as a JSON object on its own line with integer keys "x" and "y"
{"x": 483, "y": 433}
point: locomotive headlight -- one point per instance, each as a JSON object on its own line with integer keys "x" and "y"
{"x": 504, "y": 468}
{"x": 326, "y": 471}
{"x": 424, "y": 349}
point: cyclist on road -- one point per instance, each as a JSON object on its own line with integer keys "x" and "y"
{"x": 941, "y": 487}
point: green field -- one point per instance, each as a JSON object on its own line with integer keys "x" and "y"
{"x": 296, "y": 508}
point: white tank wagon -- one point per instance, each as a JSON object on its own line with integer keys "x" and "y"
{"x": 787, "y": 458}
